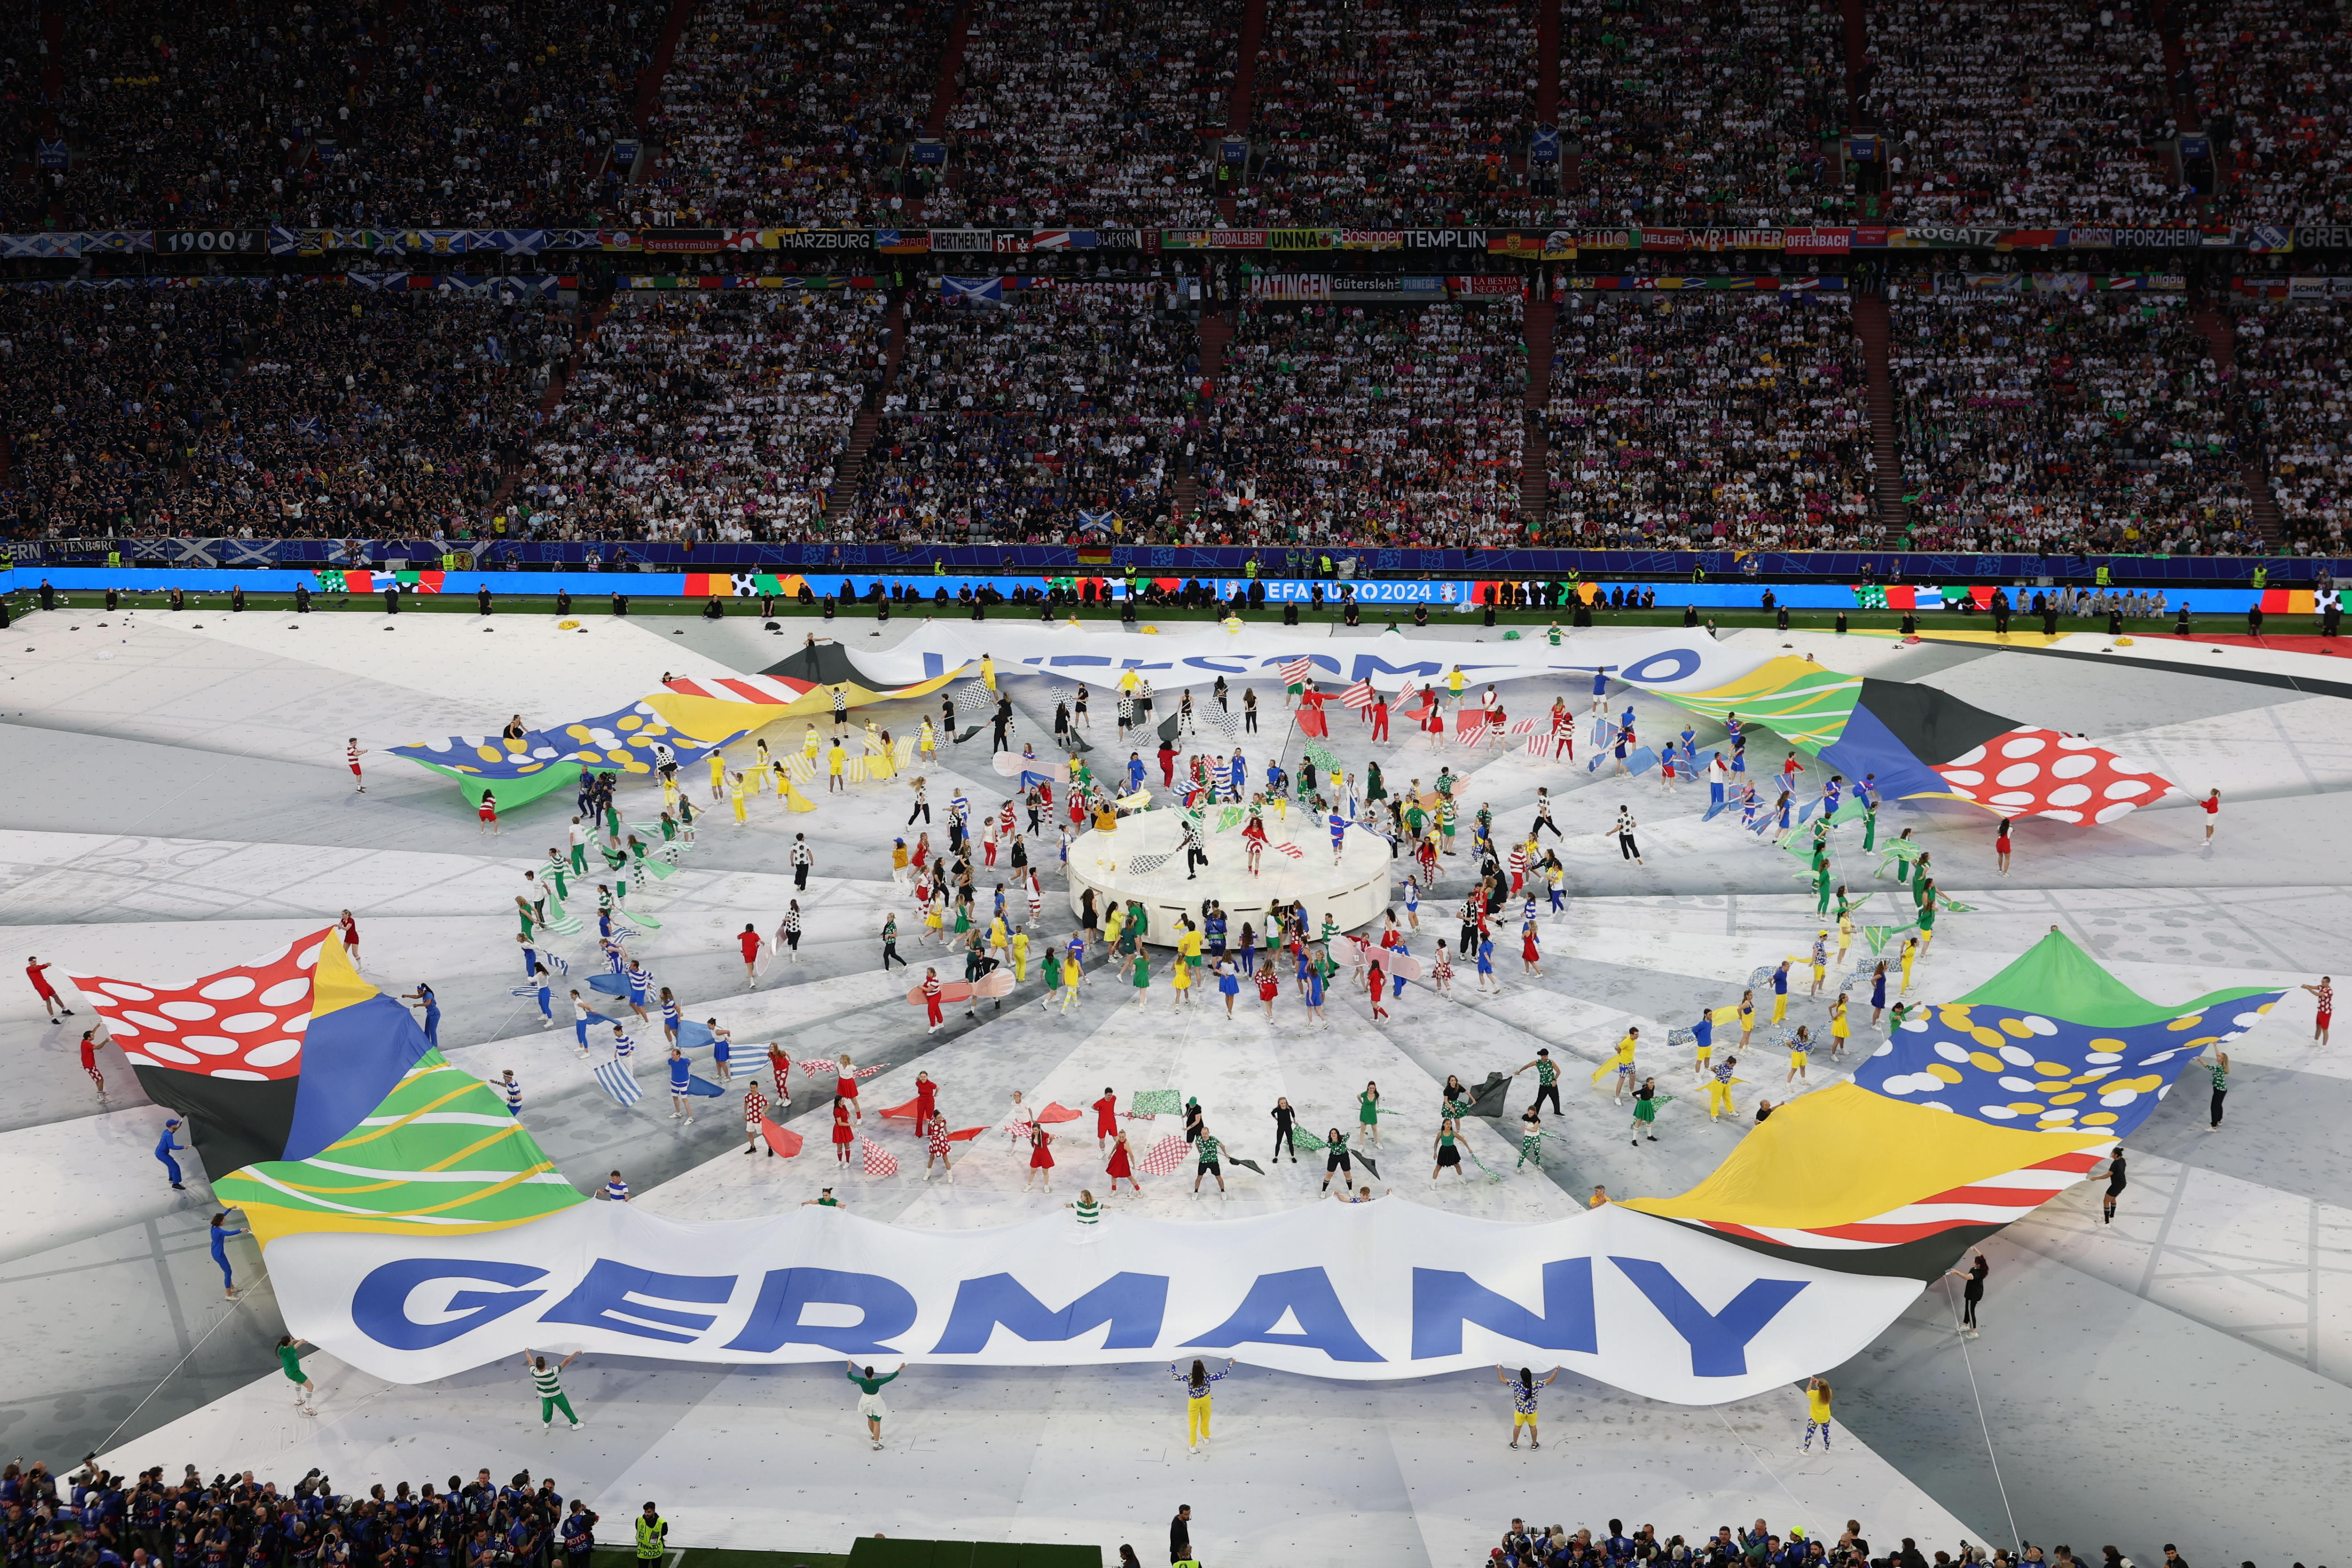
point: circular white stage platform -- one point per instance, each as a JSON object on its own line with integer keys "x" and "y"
{"x": 1352, "y": 892}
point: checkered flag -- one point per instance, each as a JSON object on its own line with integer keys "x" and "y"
{"x": 1156, "y": 1102}
{"x": 1166, "y": 1157}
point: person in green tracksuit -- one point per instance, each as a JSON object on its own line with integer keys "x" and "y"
{"x": 869, "y": 1398}
{"x": 1821, "y": 891}
{"x": 551, "y": 1388}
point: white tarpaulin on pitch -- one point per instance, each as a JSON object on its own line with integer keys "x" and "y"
{"x": 1384, "y": 1289}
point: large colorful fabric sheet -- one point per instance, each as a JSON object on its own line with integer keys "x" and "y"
{"x": 802, "y": 682}
{"x": 2055, "y": 1043}
{"x": 1972, "y": 1116}
{"x": 524, "y": 768}
{"x": 269, "y": 1060}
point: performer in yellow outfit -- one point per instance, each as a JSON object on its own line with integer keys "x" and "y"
{"x": 1910, "y": 952}
{"x": 735, "y": 794}
{"x": 1840, "y": 1030}
{"x": 1020, "y": 956}
{"x": 759, "y": 769}
{"x": 928, "y": 744}
{"x": 835, "y": 760}
{"x": 988, "y": 671}
{"x": 717, "y": 777}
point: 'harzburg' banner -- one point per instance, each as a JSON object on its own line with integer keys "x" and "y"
{"x": 1385, "y": 1290}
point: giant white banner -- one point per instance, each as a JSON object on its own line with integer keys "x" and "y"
{"x": 1384, "y": 1289}
{"x": 1664, "y": 661}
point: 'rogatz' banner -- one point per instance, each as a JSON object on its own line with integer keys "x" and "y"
{"x": 1378, "y": 1291}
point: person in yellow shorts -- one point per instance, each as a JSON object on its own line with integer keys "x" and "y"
{"x": 835, "y": 760}
{"x": 717, "y": 777}
{"x": 1839, "y": 1029}
{"x": 759, "y": 764}
{"x": 1179, "y": 975}
{"x": 1846, "y": 934}
{"x": 1523, "y": 1401}
{"x": 810, "y": 745}
{"x": 1801, "y": 1051}
{"x": 929, "y": 743}
{"x": 1817, "y": 1413}
{"x": 1746, "y": 1016}
{"x": 1719, "y": 1089}
{"x": 1196, "y": 1399}
{"x": 735, "y": 795}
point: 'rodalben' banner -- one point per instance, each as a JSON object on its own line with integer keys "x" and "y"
{"x": 1378, "y": 1291}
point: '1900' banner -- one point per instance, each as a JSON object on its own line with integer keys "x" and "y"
{"x": 1385, "y": 1290}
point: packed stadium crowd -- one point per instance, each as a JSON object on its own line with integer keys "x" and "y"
{"x": 2291, "y": 358}
{"x": 1089, "y": 116}
{"x": 712, "y": 417}
{"x": 1040, "y": 419}
{"x": 1377, "y": 116}
{"x": 1396, "y": 425}
{"x": 2097, "y": 421}
{"x": 2265, "y": 71}
{"x": 2032, "y": 420}
{"x": 1705, "y": 112}
{"x": 281, "y": 111}
{"x": 1695, "y": 421}
{"x": 243, "y": 411}
{"x": 793, "y": 112}
{"x": 2025, "y": 112}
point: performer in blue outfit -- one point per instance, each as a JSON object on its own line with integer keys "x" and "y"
{"x": 165, "y": 1147}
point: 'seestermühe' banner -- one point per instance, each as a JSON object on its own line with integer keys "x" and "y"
{"x": 1380, "y": 1290}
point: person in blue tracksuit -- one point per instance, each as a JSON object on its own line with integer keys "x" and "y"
{"x": 423, "y": 996}
{"x": 164, "y": 1148}
{"x": 221, "y": 1236}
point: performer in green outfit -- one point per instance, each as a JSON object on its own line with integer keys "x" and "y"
{"x": 869, "y": 1398}
{"x": 551, "y": 1388}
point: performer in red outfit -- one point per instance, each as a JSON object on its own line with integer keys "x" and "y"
{"x": 1041, "y": 1157}
{"x": 1106, "y": 1118}
{"x": 932, "y": 997}
{"x": 842, "y": 1136}
{"x": 1121, "y": 1166}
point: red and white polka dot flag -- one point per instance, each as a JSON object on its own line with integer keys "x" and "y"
{"x": 245, "y": 1023}
{"x": 2032, "y": 772}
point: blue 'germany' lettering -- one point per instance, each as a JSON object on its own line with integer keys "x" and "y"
{"x": 1718, "y": 1340}
{"x": 380, "y": 1305}
{"x": 886, "y": 1310}
{"x": 602, "y": 1300}
{"x": 1132, "y": 1304}
{"x": 1443, "y": 1301}
{"x": 1307, "y": 1294}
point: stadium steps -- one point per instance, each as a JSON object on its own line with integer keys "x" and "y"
{"x": 2222, "y": 339}
{"x": 1216, "y": 331}
{"x": 1237, "y": 111}
{"x": 1534, "y": 447}
{"x": 944, "y": 94}
{"x": 649, "y": 83}
{"x": 549, "y": 403}
{"x": 1870, "y": 326}
{"x": 862, "y": 430}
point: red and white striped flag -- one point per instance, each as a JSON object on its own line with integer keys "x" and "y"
{"x": 879, "y": 1161}
{"x": 1166, "y": 1157}
{"x": 1358, "y": 695}
{"x": 1295, "y": 671}
{"x": 1293, "y": 850}
{"x": 1470, "y": 730}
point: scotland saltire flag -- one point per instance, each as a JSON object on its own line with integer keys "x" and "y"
{"x": 989, "y": 292}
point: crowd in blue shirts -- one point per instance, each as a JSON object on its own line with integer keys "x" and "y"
{"x": 94, "y": 1519}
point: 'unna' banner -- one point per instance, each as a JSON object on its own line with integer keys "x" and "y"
{"x": 1378, "y": 1291}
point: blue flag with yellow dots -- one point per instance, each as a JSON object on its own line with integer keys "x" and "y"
{"x": 2054, "y": 1043}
